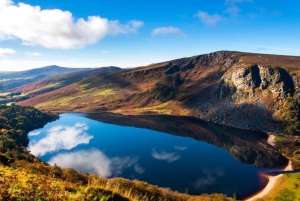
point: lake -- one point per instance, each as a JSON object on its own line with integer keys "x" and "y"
{"x": 180, "y": 153}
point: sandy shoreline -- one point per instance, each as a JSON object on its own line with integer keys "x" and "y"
{"x": 272, "y": 181}
{"x": 266, "y": 190}
{"x": 271, "y": 140}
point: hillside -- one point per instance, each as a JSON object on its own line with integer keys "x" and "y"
{"x": 9, "y": 80}
{"x": 243, "y": 90}
{"x": 57, "y": 82}
{"x": 46, "y": 85}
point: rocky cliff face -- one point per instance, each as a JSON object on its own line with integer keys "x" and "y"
{"x": 248, "y": 97}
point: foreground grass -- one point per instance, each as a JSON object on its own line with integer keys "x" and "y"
{"x": 18, "y": 183}
{"x": 287, "y": 188}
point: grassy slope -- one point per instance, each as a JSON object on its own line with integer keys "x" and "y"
{"x": 30, "y": 184}
{"x": 50, "y": 84}
{"x": 46, "y": 85}
{"x": 175, "y": 84}
{"x": 191, "y": 86}
{"x": 15, "y": 79}
{"x": 287, "y": 188}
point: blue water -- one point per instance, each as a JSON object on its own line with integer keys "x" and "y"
{"x": 158, "y": 158}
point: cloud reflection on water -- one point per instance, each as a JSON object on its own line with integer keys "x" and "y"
{"x": 95, "y": 161}
{"x": 61, "y": 138}
{"x": 170, "y": 157}
{"x": 209, "y": 179}
{"x": 180, "y": 148}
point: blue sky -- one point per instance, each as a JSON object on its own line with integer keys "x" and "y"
{"x": 129, "y": 33}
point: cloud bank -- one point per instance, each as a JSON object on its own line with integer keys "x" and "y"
{"x": 61, "y": 138}
{"x": 95, "y": 161}
{"x": 54, "y": 28}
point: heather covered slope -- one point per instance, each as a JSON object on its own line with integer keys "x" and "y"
{"x": 50, "y": 84}
{"x": 9, "y": 80}
{"x": 243, "y": 90}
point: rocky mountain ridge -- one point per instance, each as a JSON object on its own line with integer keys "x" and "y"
{"x": 244, "y": 90}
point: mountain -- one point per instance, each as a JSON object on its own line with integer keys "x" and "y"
{"x": 9, "y": 80}
{"x": 50, "y": 84}
{"x": 243, "y": 90}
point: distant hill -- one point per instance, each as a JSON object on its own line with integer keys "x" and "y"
{"x": 50, "y": 84}
{"x": 9, "y": 80}
{"x": 244, "y": 90}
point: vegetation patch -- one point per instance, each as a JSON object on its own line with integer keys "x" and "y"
{"x": 84, "y": 87}
{"x": 289, "y": 114}
{"x": 290, "y": 147}
{"x": 287, "y": 188}
{"x": 104, "y": 92}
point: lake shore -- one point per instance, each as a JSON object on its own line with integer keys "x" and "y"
{"x": 271, "y": 183}
{"x": 271, "y": 140}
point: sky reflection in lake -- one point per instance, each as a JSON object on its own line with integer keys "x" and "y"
{"x": 156, "y": 157}
{"x": 60, "y": 137}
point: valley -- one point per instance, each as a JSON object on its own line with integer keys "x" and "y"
{"x": 227, "y": 99}
{"x": 248, "y": 91}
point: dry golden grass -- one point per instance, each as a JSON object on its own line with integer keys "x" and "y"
{"x": 25, "y": 184}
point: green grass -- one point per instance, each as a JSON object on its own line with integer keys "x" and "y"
{"x": 60, "y": 101}
{"x": 104, "y": 92}
{"x": 287, "y": 188}
{"x": 83, "y": 87}
{"x": 9, "y": 104}
{"x": 279, "y": 139}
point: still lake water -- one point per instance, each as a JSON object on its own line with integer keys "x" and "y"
{"x": 167, "y": 152}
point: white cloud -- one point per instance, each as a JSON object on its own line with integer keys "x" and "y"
{"x": 180, "y": 148}
{"x": 165, "y": 156}
{"x": 94, "y": 161}
{"x": 56, "y": 28}
{"x": 207, "y": 18}
{"x": 34, "y": 54}
{"x": 34, "y": 133}
{"x": 5, "y": 52}
{"x": 166, "y": 31}
{"x": 61, "y": 138}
